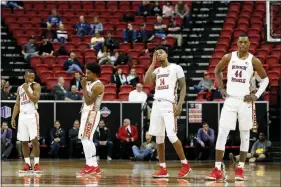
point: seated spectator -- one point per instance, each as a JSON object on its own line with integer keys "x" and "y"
{"x": 205, "y": 142}
{"x": 82, "y": 27}
{"x": 6, "y": 93}
{"x": 62, "y": 51}
{"x": 122, "y": 59}
{"x": 59, "y": 89}
{"x": 143, "y": 9}
{"x": 138, "y": 95}
{"x": 73, "y": 138}
{"x": 145, "y": 151}
{"x": 102, "y": 140}
{"x": 10, "y": 4}
{"x": 156, "y": 9}
{"x": 128, "y": 135}
{"x": 73, "y": 94}
{"x": 110, "y": 42}
{"x": 96, "y": 26}
{"x": 61, "y": 34}
{"x": 76, "y": 81}
{"x": 129, "y": 34}
{"x": 168, "y": 9}
{"x": 160, "y": 28}
{"x": 46, "y": 48}
{"x": 205, "y": 85}
{"x": 6, "y": 141}
{"x": 57, "y": 136}
{"x": 97, "y": 41}
{"x": 72, "y": 64}
{"x": 119, "y": 78}
{"x": 113, "y": 57}
{"x": 103, "y": 56}
{"x": 54, "y": 19}
{"x": 49, "y": 33}
{"x": 143, "y": 35}
{"x": 174, "y": 30}
{"x": 30, "y": 49}
{"x": 182, "y": 10}
{"x": 133, "y": 78}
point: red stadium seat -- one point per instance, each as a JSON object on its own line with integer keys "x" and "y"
{"x": 57, "y": 67}
{"x": 109, "y": 96}
{"x": 50, "y": 5}
{"x": 44, "y": 75}
{"x": 75, "y": 5}
{"x": 56, "y": 45}
{"x": 274, "y": 81}
{"x": 90, "y": 53}
{"x": 106, "y": 68}
{"x": 276, "y": 68}
{"x": 22, "y": 39}
{"x": 50, "y": 60}
{"x": 145, "y": 61}
{"x": 104, "y": 81}
{"x": 139, "y": 46}
{"x": 125, "y": 46}
{"x": 146, "y": 89}
{"x": 90, "y": 59}
{"x": 276, "y": 52}
{"x": 61, "y": 74}
{"x": 69, "y": 46}
{"x": 110, "y": 88}
{"x": 139, "y": 69}
{"x": 125, "y": 68}
{"x": 106, "y": 76}
{"x": 271, "y": 60}
{"x": 126, "y": 88}
{"x": 75, "y": 39}
{"x": 262, "y": 52}
{"x": 62, "y": 59}
{"x": 77, "y": 52}
{"x": 51, "y": 82}
{"x": 112, "y": 5}
{"x": 41, "y": 68}
{"x": 219, "y": 53}
{"x": 83, "y": 46}
{"x": 123, "y": 96}
{"x": 134, "y": 53}
{"x": 34, "y": 60}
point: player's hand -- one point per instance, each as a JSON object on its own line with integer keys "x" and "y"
{"x": 13, "y": 123}
{"x": 178, "y": 109}
{"x": 25, "y": 86}
{"x": 132, "y": 139}
{"x": 250, "y": 98}
{"x": 202, "y": 144}
{"x": 154, "y": 59}
{"x": 127, "y": 139}
{"x": 83, "y": 82}
{"x": 223, "y": 93}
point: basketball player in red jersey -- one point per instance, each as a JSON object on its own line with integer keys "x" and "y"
{"x": 238, "y": 103}
{"x": 28, "y": 122}
{"x": 166, "y": 107}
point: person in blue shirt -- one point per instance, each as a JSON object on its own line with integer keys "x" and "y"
{"x": 6, "y": 138}
{"x": 54, "y": 19}
{"x": 96, "y": 26}
{"x": 72, "y": 64}
{"x": 73, "y": 94}
{"x": 82, "y": 27}
{"x": 205, "y": 142}
{"x": 143, "y": 35}
{"x": 160, "y": 28}
{"x": 129, "y": 35}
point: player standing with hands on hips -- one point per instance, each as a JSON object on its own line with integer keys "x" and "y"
{"x": 166, "y": 107}
{"x": 238, "y": 103}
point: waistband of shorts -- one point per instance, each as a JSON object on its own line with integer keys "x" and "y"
{"x": 164, "y": 100}
{"x": 236, "y": 97}
{"x": 34, "y": 112}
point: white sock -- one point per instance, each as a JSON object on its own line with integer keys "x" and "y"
{"x": 94, "y": 157}
{"x": 184, "y": 161}
{"x": 163, "y": 165}
{"x": 241, "y": 164}
{"x": 36, "y": 160}
{"x": 87, "y": 147}
{"x": 218, "y": 165}
{"x": 27, "y": 160}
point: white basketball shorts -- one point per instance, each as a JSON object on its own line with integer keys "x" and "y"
{"x": 89, "y": 123}
{"x": 28, "y": 126}
{"x": 163, "y": 118}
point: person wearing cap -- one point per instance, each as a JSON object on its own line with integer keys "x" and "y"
{"x": 30, "y": 49}
{"x": 54, "y": 19}
{"x": 46, "y": 48}
{"x": 143, "y": 35}
{"x": 205, "y": 85}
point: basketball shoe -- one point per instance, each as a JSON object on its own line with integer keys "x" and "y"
{"x": 26, "y": 168}
{"x": 162, "y": 173}
{"x": 88, "y": 170}
{"x": 185, "y": 169}
{"x": 36, "y": 169}
{"x": 239, "y": 174}
{"x": 97, "y": 170}
{"x": 215, "y": 175}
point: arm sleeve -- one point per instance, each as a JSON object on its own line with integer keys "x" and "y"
{"x": 136, "y": 135}
{"x": 58, "y": 91}
{"x": 62, "y": 136}
{"x": 51, "y": 135}
{"x": 120, "y": 135}
{"x": 180, "y": 73}
{"x": 9, "y": 136}
{"x": 108, "y": 135}
{"x": 198, "y": 136}
{"x": 212, "y": 135}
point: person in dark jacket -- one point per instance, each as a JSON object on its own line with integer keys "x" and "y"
{"x": 110, "y": 42}
{"x": 6, "y": 141}
{"x": 143, "y": 9}
{"x": 72, "y": 64}
{"x": 59, "y": 90}
{"x": 50, "y": 34}
{"x": 102, "y": 140}
{"x": 73, "y": 94}
{"x": 57, "y": 136}
{"x": 156, "y": 9}
{"x": 143, "y": 35}
{"x": 46, "y": 48}
{"x": 82, "y": 27}
{"x": 129, "y": 35}
{"x": 76, "y": 81}
{"x": 73, "y": 138}
{"x": 118, "y": 78}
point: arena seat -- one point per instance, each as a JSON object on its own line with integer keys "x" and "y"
{"x": 126, "y": 88}
{"x": 111, "y": 96}
{"x": 110, "y": 88}
{"x": 123, "y": 96}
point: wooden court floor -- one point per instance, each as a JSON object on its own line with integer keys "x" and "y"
{"x": 128, "y": 173}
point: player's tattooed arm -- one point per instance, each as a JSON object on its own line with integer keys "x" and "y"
{"x": 219, "y": 68}
{"x": 35, "y": 96}
{"x": 97, "y": 90}
{"x": 16, "y": 111}
{"x": 149, "y": 76}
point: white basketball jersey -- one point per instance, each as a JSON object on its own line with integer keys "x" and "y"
{"x": 96, "y": 105}
{"x": 26, "y": 105}
{"x": 239, "y": 75}
{"x": 166, "y": 82}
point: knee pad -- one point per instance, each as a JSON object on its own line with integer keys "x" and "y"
{"x": 245, "y": 140}
{"x": 160, "y": 139}
{"x": 222, "y": 137}
{"x": 173, "y": 139}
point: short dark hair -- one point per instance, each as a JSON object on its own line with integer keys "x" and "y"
{"x": 28, "y": 71}
{"x": 161, "y": 47}
{"x": 94, "y": 68}
{"x": 205, "y": 123}
{"x": 243, "y": 35}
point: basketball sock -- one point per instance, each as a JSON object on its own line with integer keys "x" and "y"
{"x": 218, "y": 165}
{"x": 87, "y": 147}
{"x": 94, "y": 156}
{"x": 241, "y": 164}
{"x": 163, "y": 165}
{"x": 184, "y": 161}
{"x": 27, "y": 160}
{"x": 36, "y": 160}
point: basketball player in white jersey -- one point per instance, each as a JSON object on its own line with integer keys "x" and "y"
{"x": 93, "y": 90}
{"x": 166, "y": 107}
{"x": 238, "y": 102}
{"x": 28, "y": 95}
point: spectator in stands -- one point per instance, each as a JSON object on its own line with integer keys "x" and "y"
{"x": 103, "y": 56}
{"x": 110, "y": 42}
{"x": 113, "y": 57}
{"x": 54, "y": 19}
{"x": 133, "y": 78}
{"x": 205, "y": 142}
{"x": 73, "y": 138}
{"x": 6, "y": 93}
{"x": 174, "y": 30}
{"x": 73, "y": 94}
{"x": 129, "y": 34}
{"x": 61, "y": 35}
{"x": 205, "y": 85}
{"x": 146, "y": 150}
{"x": 102, "y": 140}
{"x": 160, "y": 28}
{"x": 97, "y": 41}
{"x": 57, "y": 136}
{"x": 96, "y": 26}
{"x": 128, "y": 136}
{"x": 59, "y": 89}
{"x": 82, "y": 27}
{"x": 49, "y": 33}
{"x": 46, "y": 48}
{"x": 156, "y": 9}
{"x": 10, "y": 4}
{"x": 76, "y": 81}
{"x": 182, "y": 10}
{"x": 72, "y": 64}
{"x": 119, "y": 78}
{"x": 30, "y": 49}
{"x": 122, "y": 59}
{"x": 6, "y": 141}
{"x": 168, "y": 9}
{"x": 143, "y": 35}
{"x": 138, "y": 95}
{"x": 143, "y": 9}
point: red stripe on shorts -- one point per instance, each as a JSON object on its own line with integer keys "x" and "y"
{"x": 87, "y": 133}
{"x": 175, "y": 119}
{"x": 37, "y": 124}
